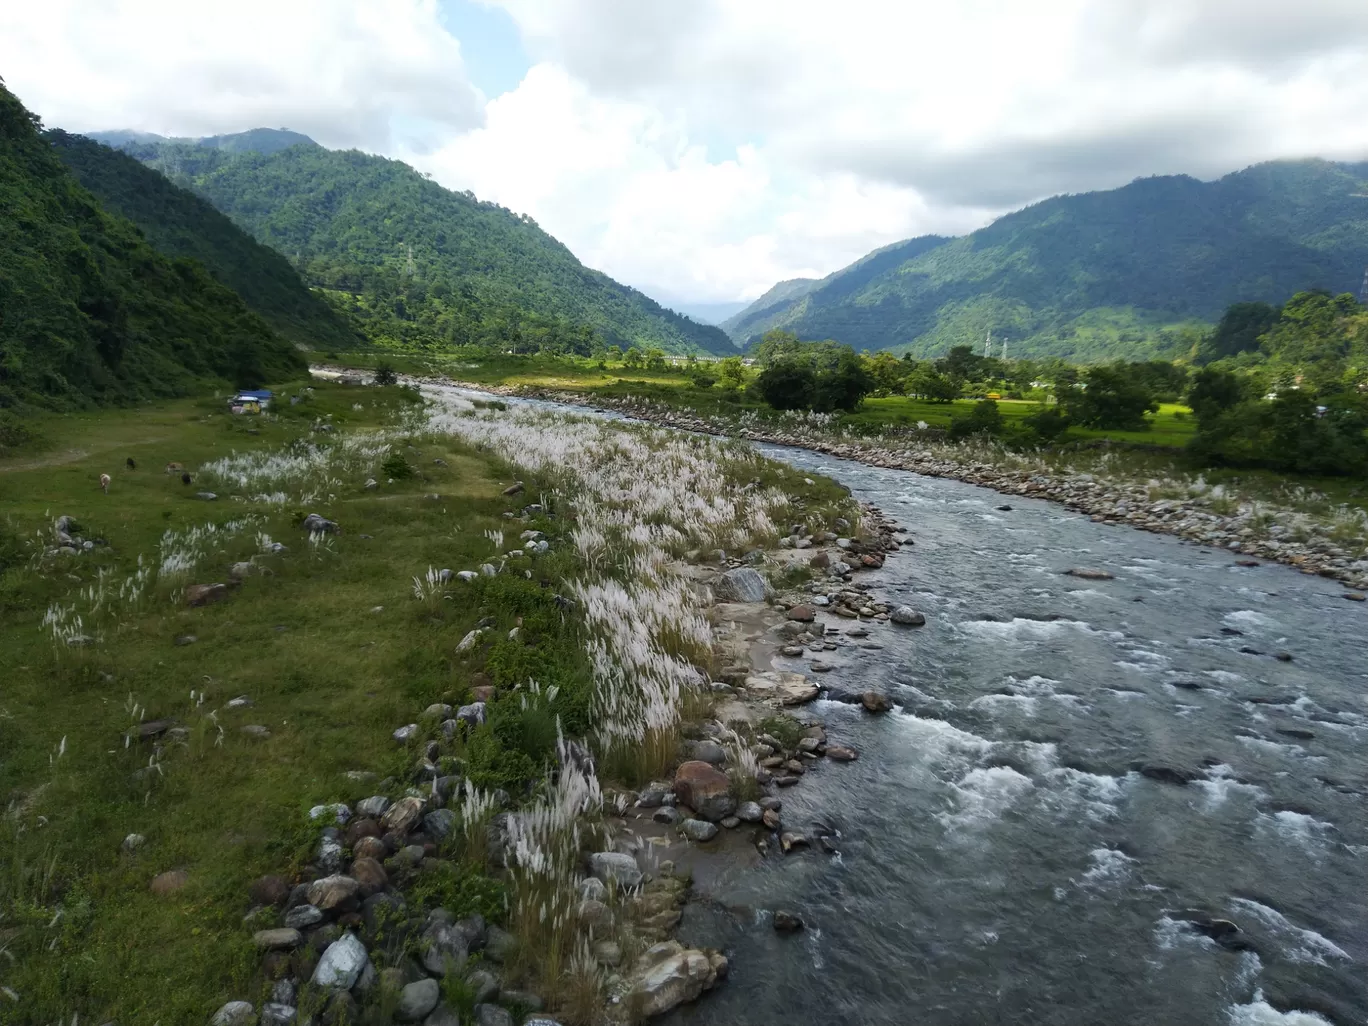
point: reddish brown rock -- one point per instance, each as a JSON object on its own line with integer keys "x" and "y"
{"x": 875, "y": 702}
{"x": 704, "y": 789}
{"x": 403, "y": 815}
{"x": 269, "y": 890}
{"x": 820, "y": 561}
{"x": 362, "y": 828}
{"x": 168, "y": 883}
{"x": 482, "y": 693}
{"x": 370, "y": 875}
{"x": 203, "y": 594}
{"x": 802, "y": 613}
{"x": 370, "y": 848}
{"x": 334, "y": 893}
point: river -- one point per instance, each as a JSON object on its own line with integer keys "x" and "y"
{"x": 1002, "y": 858}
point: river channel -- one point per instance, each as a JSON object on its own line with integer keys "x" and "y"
{"x": 1003, "y": 858}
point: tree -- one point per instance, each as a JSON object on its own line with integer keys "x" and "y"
{"x": 787, "y": 385}
{"x": 632, "y": 358}
{"x": 1111, "y": 398}
{"x": 1212, "y": 392}
{"x": 932, "y": 386}
{"x": 385, "y": 373}
{"x": 655, "y": 358}
{"x": 1047, "y": 423}
{"x": 732, "y": 371}
{"x": 775, "y": 345}
{"x": 613, "y": 353}
{"x": 960, "y": 365}
{"x": 844, "y": 386}
{"x": 984, "y": 419}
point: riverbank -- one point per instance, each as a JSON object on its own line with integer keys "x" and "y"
{"x": 1333, "y": 544}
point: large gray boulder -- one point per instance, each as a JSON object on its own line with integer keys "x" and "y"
{"x": 740, "y": 585}
{"x": 342, "y": 963}
{"x": 418, "y": 999}
{"x": 668, "y": 975}
{"x": 234, "y": 1013}
{"x": 615, "y": 867}
{"x": 444, "y": 948}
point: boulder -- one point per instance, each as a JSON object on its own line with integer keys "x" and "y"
{"x": 405, "y": 733}
{"x": 277, "y": 1013}
{"x": 708, "y": 751}
{"x": 333, "y": 893}
{"x": 403, "y": 815}
{"x": 370, "y": 876}
{"x": 802, "y": 613}
{"x": 784, "y": 686}
{"x": 473, "y": 714}
{"x": 840, "y": 753}
{"x": 444, "y": 948}
{"x": 740, "y": 585}
{"x": 203, "y": 594}
{"x": 417, "y": 999}
{"x": 668, "y": 975}
{"x": 269, "y": 890}
{"x": 704, "y": 789}
{"x": 278, "y": 940}
{"x": 787, "y": 922}
{"x": 235, "y": 1013}
{"x": 373, "y": 807}
{"x": 316, "y": 524}
{"x": 749, "y": 812}
{"x": 617, "y": 867}
{"x": 698, "y": 829}
{"x": 907, "y": 616}
{"x": 1086, "y": 574}
{"x": 875, "y": 702}
{"x": 492, "y": 1015}
{"x": 342, "y": 963}
{"x": 439, "y": 824}
{"x": 301, "y": 917}
{"x": 168, "y": 883}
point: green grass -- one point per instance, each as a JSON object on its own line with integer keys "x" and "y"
{"x": 328, "y": 674}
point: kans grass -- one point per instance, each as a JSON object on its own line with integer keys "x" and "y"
{"x": 335, "y": 640}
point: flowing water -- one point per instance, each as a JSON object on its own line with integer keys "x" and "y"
{"x": 1002, "y": 859}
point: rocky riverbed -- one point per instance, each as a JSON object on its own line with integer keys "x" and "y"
{"x": 1256, "y": 533}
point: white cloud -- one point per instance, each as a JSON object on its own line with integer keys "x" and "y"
{"x": 705, "y": 149}
{"x": 347, "y": 72}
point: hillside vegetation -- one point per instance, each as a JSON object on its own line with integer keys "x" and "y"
{"x": 1129, "y": 273}
{"x": 181, "y": 224}
{"x": 415, "y": 261}
{"x": 91, "y": 311}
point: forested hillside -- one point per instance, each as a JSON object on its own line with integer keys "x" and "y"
{"x": 1128, "y": 273}
{"x": 181, "y": 224}
{"x": 414, "y": 259}
{"x": 90, "y": 311}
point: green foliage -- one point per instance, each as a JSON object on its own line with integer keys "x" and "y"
{"x": 179, "y": 223}
{"x": 1212, "y": 392}
{"x": 1239, "y": 330}
{"x": 820, "y": 376}
{"x": 784, "y": 729}
{"x": 1109, "y": 397}
{"x": 1046, "y": 424}
{"x": 92, "y": 311}
{"x": 385, "y": 373}
{"x": 1292, "y": 433}
{"x": 395, "y": 466}
{"x": 929, "y": 384}
{"x": 1130, "y": 273}
{"x": 787, "y": 385}
{"x": 984, "y": 419}
{"x": 459, "y": 889}
{"x": 418, "y": 264}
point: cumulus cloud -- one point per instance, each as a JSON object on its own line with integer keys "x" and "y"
{"x": 706, "y": 149}
{"x": 365, "y": 73}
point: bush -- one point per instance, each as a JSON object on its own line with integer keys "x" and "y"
{"x": 396, "y": 467}
{"x": 385, "y": 373}
{"x": 984, "y": 419}
{"x": 1111, "y": 398}
{"x": 1294, "y": 432}
{"x": 702, "y": 381}
{"x": 787, "y": 386}
{"x": 1047, "y": 424}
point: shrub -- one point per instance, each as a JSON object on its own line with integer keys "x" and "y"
{"x": 1047, "y": 423}
{"x": 394, "y": 465}
{"x": 984, "y": 419}
{"x": 385, "y": 373}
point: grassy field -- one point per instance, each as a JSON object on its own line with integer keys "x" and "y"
{"x": 326, "y": 642}
{"x": 1172, "y": 426}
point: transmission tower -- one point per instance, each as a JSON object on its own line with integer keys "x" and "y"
{"x": 1363, "y": 289}
{"x": 988, "y": 345}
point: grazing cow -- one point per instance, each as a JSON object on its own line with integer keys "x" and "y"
{"x": 131, "y": 464}
{"x": 174, "y": 468}
{"x": 104, "y": 483}
{"x": 185, "y": 479}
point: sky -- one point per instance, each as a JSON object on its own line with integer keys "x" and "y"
{"x": 702, "y": 150}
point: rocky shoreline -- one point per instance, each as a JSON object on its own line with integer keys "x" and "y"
{"x": 1241, "y": 533}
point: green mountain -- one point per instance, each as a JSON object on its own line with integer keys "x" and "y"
{"x": 90, "y": 311}
{"x": 752, "y": 320}
{"x": 257, "y": 140}
{"x": 413, "y": 258}
{"x": 181, "y": 224}
{"x": 1133, "y": 272}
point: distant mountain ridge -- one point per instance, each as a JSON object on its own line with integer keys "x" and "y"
{"x": 256, "y": 140}
{"x": 383, "y": 233}
{"x": 91, "y": 312}
{"x": 1128, "y": 272}
{"x": 181, "y": 224}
